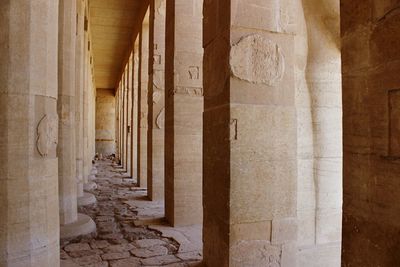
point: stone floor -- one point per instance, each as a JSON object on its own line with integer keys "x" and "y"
{"x": 130, "y": 229}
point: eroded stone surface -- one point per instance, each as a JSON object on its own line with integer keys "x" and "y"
{"x": 258, "y": 60}
{"x": 119, "y": 242}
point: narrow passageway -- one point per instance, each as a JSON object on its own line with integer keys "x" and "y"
{"x": 122, "y": 239}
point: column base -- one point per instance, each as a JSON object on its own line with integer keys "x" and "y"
{"x": 89, "y": 186}
{"x": 86, "y": 199}
{"x": 83, "y": 226}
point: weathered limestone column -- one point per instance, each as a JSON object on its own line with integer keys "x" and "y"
{"x": 71, "y": 223}
{"x": 79, "y": 83}
{"x": 123, "y": 121}
{"x": 86, "y": 108}
{"x": 129, "y": 118}
{"x": 156, "y": 95}
{"x": 183, "y": 112}
{"x": 118, "y": 126}
{"x": 250, "y": 166}
{"x": 29, "y": 212}
{"x": 66, "y": 115}
{"x": 135, "y": 116}
{"x": 126, "y": 116}
{"x": 143, "y": 106}
{"x": 319, "y": 105}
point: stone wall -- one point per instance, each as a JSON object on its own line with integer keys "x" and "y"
{"x": 105, "y": 122}
{"x": 371, "y": 83}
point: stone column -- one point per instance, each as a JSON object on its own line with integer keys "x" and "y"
{"x": 66, "y": 115}
{"x": 183, "y": 112}
{"x": 143, "y": 107}
{"x": 135, "y": 128}
{"x": 319, "y": 101}
{"x": 123, "y": 119}
{"x": 118, "y": 124}
{"x": 156, "y": 95}
{"x": 86, "y": 108}
{"x": 250, "y": 138}
{"x": 29, "y": 212}
{"x": 129, "y": 118}
{"x": 79, "y": 60}
{"x": 126, "y": 116}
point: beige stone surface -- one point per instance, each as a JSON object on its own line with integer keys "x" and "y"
{"x": 143, "y": 103}
{"x": 66, "y": 113}
{"x": 370, "y": 87}
{"x": 183, "y": 113}
{"x": 105, "y": 122}
{"x": 29, "y": 203}
{"x": 156, "y": 96}
{"x": 265, "y": 159}
{"x": 79, "y": 84}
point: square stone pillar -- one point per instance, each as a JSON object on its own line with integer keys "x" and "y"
{"x": 123, "y": 119}
{"x": 143, "y": 105}
{"x": 66, "y": 112}
{"x": 250, "y": 138}
{"x": 29, "y": 203}
{"x": 129, "y": 111}
{"x": 79, "y": 84}
{"x": 155, "y": 142}
{"x": 135, "y": 111}
{"x": 117, "y": 138}
{"x": 183, "y": 112}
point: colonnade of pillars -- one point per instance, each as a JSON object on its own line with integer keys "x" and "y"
{"x": 248, "y": 133}
{"x": 225, "y": 108}
{"x": 47, "y": 128}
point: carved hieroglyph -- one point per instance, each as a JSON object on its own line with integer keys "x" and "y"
{"x": 257, "y": 60}
{"x": 190, "y": 91}
{"x": 47, "y": 135}
{"x": 156, "y": 96}
{"x": 158, "y": 79}
{"x": 160, "y": 121}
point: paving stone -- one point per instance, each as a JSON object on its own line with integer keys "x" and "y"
{"x": 83, "y": 261}
{"x": 115, "y": 256}
{"x": 82, "y": 253}
{"x": 119, "y": 206}
{"x": 149, "y": 252}
{"x": 99, "y": 244}
{"x": 68, "y": 263}
{"x": 129, "y": 262}
{"x": 190, "y": 256}
{"x": 99, "y": 264}
{"x": 145, "y": 243}
{"x": 119, "y": 248}
{"x": 77, "y": 247}
{"x": 160, "y": 260}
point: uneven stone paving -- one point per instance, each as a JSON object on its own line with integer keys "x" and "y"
{"x": 119, "y": 242}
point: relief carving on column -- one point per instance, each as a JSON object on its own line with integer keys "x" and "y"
{"x": 233, "y": 130}
{"x": 186, "y": 90}
{"x": 158, "y": 79}
{"x": 143, "y": 120}
{"x": 257, "y": 60}
{"x": 194, "y": 72}
{"x": 156, "y": 96}
{"x": 157, "y": 59}
{"x": 47, "y": 135}
{"x": 160, "y": 121}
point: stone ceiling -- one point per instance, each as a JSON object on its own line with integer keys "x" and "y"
{"x": 112, "y": 25}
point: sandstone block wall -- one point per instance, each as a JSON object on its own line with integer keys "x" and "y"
{"x": 371, "y": 83}
{"x": 105, "y": 122}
